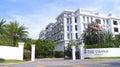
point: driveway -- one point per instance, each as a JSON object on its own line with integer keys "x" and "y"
{"x": 60, "y": 62}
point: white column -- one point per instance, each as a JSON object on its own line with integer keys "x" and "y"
{"x": 73, "y": 28}
{"x": 33, "y": 52}
{"x": 21, "y": 47}
{"x": 112, "y": 27}
{"x": 65, "y": 28}
{"x": 118, "y": 26}
{"x": 73, "y": 53}
{"x": 102, "y": 21}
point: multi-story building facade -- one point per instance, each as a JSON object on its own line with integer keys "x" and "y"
{"x": 69, "y": 25}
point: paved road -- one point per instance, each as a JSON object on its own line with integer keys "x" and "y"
{"x": 67, "y": 63}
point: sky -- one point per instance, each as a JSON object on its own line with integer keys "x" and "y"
{"x": 36, "y": 14}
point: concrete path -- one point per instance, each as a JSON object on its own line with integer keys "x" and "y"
{"x": 67, "y": 63}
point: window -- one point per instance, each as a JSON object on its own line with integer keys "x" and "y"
{"x": 76, "y": 35}
{"x": 67, "y": 28}
{"x": 98, "y": 21}
{"x": 68, "y": 36}
{"x": 91, "y": 19}
{"x": 71, "y": 35}
{"x": 75, "y": 19}
{"x": 104, "y": 21}
{"x": 83, "y": 18}
{"x": 107, "y": 21}
{"x": 115, "y": 23}
{"x": 67, "y": 20}
{"x": 70, "y": 20}
{"x": 70, "y": 28}
{"x": 87, "y": 19}
{"x": 115, "y": 29}
{"x": 76, "y": 27}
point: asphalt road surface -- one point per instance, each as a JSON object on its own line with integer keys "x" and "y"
{"x": 60, "y": 62}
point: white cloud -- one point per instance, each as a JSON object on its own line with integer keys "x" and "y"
{"x": 34, "y": 22}
{"x": 15, "y": 0}
{"x": 37, "y": 21}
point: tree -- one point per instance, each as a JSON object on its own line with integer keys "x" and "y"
{"x": 73, "y": 43}
{"x": 92, "y": 34}
{"x": 2, "y": 32}
{"x": 15, "y": 31}
{"x": 45, "y": 48}
{"x": 117, "y": 40}
{"x": 96, "y": 36}
{"x": 2, "y": 24}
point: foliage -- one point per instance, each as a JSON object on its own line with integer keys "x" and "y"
{"x": 91, "y": 35}
{"x": 2, "y": 25}
{"x": 68, "y": 50}
{"x": 117, "y": 40}
{"x": 102, "y": 45}
{"x": 27, "y": 54}
{"x": 107, "y": 37}
{"x": 73, "y": 43}
{"x": 59, "y": 54}
{"x": 11, "y": 61}
{"x": 45, "y": 48}
{"x": 97, "y": 38}
{"x": 2, "y": 31}
{"x": 14, "y": 32}
{"x": 29, "y": 43}
{"x": 68, "y": 53}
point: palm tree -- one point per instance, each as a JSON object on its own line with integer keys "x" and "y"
{"x": 2, "y": 21}
{"x": 93, "y": 34}
{"x": 14, "y": 31}
{"x": 2, "y": 31}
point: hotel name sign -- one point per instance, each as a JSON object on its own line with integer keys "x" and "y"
{"x": 97, "y": 52}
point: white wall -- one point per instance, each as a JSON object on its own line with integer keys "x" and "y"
{"x": 8, "y": 52}
{"x": 102, "y": 52}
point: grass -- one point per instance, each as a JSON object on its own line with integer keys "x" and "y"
{"x": 105, "y": 58}
{"x": 11, "y": 61}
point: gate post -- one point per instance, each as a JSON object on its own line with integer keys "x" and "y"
{"x": 73, "y": 53}
{"x": 21, "y": 47}
{"x": 33, "y": 52}
{"x": 81, "y": 51}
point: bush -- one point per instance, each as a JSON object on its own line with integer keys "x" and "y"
{"x": 45, "y": 49}
{"x": 59, "y": 54}
{"x": 101, "y": 45}
{"x": 27, "y": 54}
{"x": 1, "y": 59}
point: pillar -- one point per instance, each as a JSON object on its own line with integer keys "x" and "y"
{"x": 33, "y": 52}
{"x": 21, "y": 47}
{"x": 73, "y": 53}
{"x": 81, "y": 51}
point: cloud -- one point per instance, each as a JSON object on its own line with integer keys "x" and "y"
{"x": 37, "y": 14}
{"x": 15, "y": 0}
{"x": 34, "y": 22}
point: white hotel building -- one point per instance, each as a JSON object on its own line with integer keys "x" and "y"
{"x": 70, "y": 25}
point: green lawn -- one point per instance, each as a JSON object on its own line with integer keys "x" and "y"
{"x": 11, "y": 61}
{"x": 105, "y": 58}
